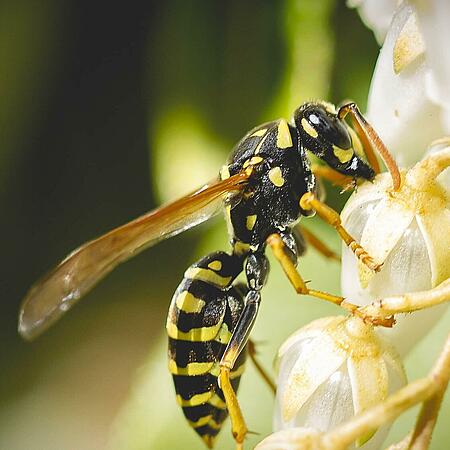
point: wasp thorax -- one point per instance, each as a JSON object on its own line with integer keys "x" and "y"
{"x": 407, "y": 232}
{"x": 332, "y": 369}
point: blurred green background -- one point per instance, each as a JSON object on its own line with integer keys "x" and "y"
{"x": 107, "y": 110}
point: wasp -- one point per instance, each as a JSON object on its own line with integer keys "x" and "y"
{"x": 267, "y": 184}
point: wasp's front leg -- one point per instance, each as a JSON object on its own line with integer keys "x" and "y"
{"x": 309, "y": 202}
{"x": 256, "y": 269}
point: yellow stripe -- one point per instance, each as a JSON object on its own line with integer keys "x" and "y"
{"x": 213, "y": 424}
{"x": 194, "y": 368}
{"x": 342, "y": 155}
{"x": 309, "y": 128}
{"x": 194, "y": 334}
{"x": 284, "y": 139}
{"x": 260, "y": 132}
{"x": 196, "y": 399}
{"x": 207, "y": 275}
{"x": 188, "y": 303}
{"x": 224, "y": 334}
{"x": 217, "y": 402}
{"x": 200, "y": 422}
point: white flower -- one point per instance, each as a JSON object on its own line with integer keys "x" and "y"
{"x": 409, "y": 100}
{"x": 376, "y": 14}
{"x": 408, "y": 231}
{"x": 332, "y": 369}
{"x": 292, "y": 439}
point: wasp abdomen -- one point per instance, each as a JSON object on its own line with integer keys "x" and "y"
{"x": 202, "y": 315}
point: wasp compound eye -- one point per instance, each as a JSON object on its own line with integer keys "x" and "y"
{"x": 328, "y": 127}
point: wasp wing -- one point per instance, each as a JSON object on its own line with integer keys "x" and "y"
{"x": 54, "y": 294}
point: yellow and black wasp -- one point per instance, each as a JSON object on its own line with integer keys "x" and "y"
{"x": 266, "y": 185}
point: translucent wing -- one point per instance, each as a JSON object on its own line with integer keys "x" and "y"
{"x": 54, "y": 294}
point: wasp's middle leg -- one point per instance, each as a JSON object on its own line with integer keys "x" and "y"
{"x": 256, "y": 269}
{"x": 284, "y": 249}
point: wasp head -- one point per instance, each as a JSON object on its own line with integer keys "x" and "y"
{"x": 328, "y": 137}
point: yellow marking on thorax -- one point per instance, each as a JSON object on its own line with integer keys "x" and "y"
{"x": 241, "y": 247}
{"x": 258, "y": 148}
{"x": 216, "y": 401}
{"x": 195, "y": 400}
{"x": 284, "y": 139}
{"x": 250, "y": 222}
{"x": 194, "y": 368}
{"x": 260, "y": 132}
{"x": 276, "y": 177}
{"x": 201, "y": 334}
{"x": 343, "y": 155}
{"x": 224, "y": 172}
{"x": 215, "y": 265}
{"x": 309, "y": 128}
{"x": 252, "y": 161}
{"x": 188, "y": 303}
{"x": 207, "y": 275}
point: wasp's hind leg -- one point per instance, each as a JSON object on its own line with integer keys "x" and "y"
{"x": 256, "y": 269}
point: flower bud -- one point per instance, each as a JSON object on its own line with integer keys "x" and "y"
{"x": 292, "y": 439}
{"x": 332, "y": 369}
{"x": 408, "y": 232}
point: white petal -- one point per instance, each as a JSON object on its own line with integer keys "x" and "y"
{"x": 291, "y": 439}
{"x": 376, "y": 14}
{"x": 382, "y": 231}
{"x": 399, "y": 107}
{"x": 434, "y": 21}
{"x": 318, "y": 360}
{"x": 330, "y": 405}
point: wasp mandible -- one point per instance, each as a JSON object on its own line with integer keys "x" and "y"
{"x": 266, "y": 186}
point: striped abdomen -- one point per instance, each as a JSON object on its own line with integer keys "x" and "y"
{"x": 203, "y": 313}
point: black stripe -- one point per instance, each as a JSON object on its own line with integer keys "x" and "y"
{"x": 185, "y": 352}
{"x": 206, "y": 430}
{"x": 193, "y": 413}
{"x": 187, "y": 386}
